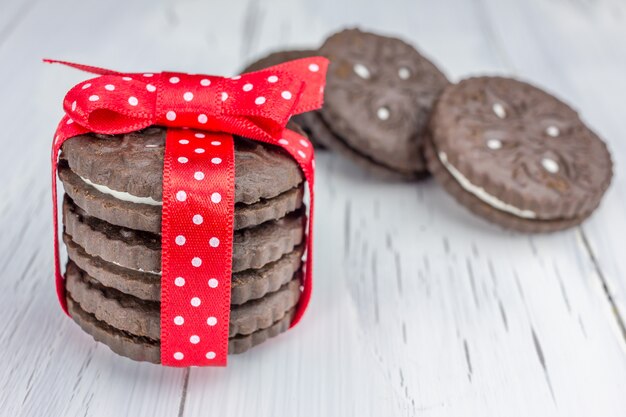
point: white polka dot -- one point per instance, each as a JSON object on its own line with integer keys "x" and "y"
{"x": 195, "y": 339}
{"x": 197, "y": 219}
{"x": 382, "y": 113}
{"x": 188, "y": 96}
{"x": 210, "y": 355}
{"x": 148, "y": 74}
{"x": 183, "y": 160}
{"x": 200, "y": 135}
{"x": 196, "y": 262}
{"x": 133, "y": 101}
{"x": 211, "y": 321}
{"x": 550, "y": 165}
{"x": 170, "y": 115}
{"x": 109, "y": 87}
{"x": 178, "y": 356}
{"x": 126, "y": 78}
{"x": 205, "y": 82}
{"x": 181, "y": 196}
{"x": 195, "y": 301}
{"x": 361, "y": 70}
{"x": 73, "y": 105}
{"x": 202, "y": 118}
{"x": 150, "y": 88}
{"x": 94, "y": 98}
{"x": 304, "y": 143}
{"x": 179, "y": 320}
{"x": 214, "y": 242}
{"x": 494, "y": 144}
{"x": 216, "y": 161}
{"x": 236, "y": 77}
{"x": 179, "y": 282}
{"x": 199, "y": 175}
{"x": 174, "y": 80}
{"x": 213, "y": 283}
{"x": 86, "y": 86}
{"x": 553, "y": 131}
{"x": 216, "y": 143}
{"x": 286, "y": 95}
{"x": 498, "y": 109}
{"x": 259, "y": 100}
{"x": 314, "y": 67}
{"x": 69, "y": 122}
{"x": 180, "y": 240}
{"x": 283, "y": 141}
{"x": 247, "y": 87}
{"x": 216, "y": 197}
{"x": 199, "y": 150}
{"x": 302, "y": 154}
{"x": 272, "y": 79}
{"x": 224, "y": 96}
{"x": 404, "y": 73}
{"x": 183, "y": 141}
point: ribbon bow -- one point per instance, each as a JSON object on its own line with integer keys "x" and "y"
{"x": 201, "y": 112}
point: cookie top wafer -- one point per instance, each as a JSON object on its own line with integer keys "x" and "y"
{"x": 519, "y": 150}
{"x": 378, "y": 99}
{"x": 132, "y": 165}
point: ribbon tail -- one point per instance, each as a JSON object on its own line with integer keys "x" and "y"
{"x": 86, "y": 68}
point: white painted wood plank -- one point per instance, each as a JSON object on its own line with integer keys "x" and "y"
{"x": 419, "y": 307}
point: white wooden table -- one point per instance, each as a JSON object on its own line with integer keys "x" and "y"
{"x": 419, "y": 307}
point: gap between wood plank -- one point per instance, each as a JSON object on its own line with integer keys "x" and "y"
{"x": 183, "y": 397}
{"x": 605, "y": 285}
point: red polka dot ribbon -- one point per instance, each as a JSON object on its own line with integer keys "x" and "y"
{"x": 201, "y": 112}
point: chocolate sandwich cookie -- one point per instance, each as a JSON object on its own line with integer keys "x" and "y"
{"x": 246, "y": 285}
{"x": 304, "y": 120}
{"x": 141, "y": 251}
{"x": 144, "y": 349}
{"x": 119, "y": 179}
{"x": 378, "y": 100}
{"x": 516, "y": 155}
{"x": 142, "y": 318}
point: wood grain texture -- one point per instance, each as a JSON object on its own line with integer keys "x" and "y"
{"x": 419, "y": 307}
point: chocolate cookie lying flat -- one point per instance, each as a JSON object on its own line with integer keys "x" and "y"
{"x": 118, "y": 179}
{"x": 143, "y": 318}
{"x": 247, "y": 285}
{"x": 378, "y": 99}
{"x": 516, "y": 155}
{"x": 141, "y": 251}
{"x": 304, "y": 120}
{"x": 144, "y": 349}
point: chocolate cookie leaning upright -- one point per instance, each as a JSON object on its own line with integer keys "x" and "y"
{"x": 377, "y": 103}
{"x": 304, "y": 120}
{"x": 516, "y": 155}
{"x": 112, "y": 230}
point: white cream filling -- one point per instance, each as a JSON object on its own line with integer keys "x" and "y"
{"x": 123, "y": 195}
{"x": 480, "y": 192}
{"x": 138, "y": 269}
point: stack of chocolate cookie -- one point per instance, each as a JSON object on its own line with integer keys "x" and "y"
{"x": 112, "y": 225}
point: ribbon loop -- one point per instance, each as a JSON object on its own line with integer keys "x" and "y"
{"x": 257, "y": 105}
